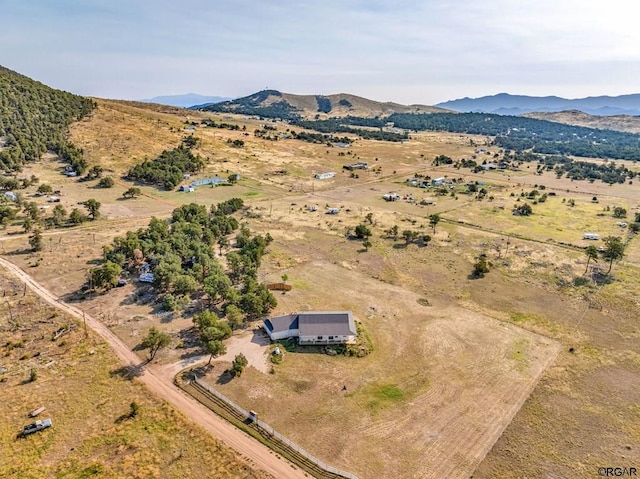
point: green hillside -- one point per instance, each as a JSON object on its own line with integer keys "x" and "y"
{"x": 35, "y": 118}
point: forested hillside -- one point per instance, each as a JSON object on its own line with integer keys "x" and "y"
{"x": 510, "y": 132}
{"x": 520, "y": 134}
{"x": 34, "y": 118}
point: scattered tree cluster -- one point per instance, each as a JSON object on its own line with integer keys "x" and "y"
{"x": 320, "y": 138}
{"x": 168, "y": 169}
{"x": 182, "y": 252}
{"x": 225, "y": 126}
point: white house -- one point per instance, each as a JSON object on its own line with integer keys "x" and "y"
{"x": 313, "y": 327}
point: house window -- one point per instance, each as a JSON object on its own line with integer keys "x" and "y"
{"x": 319, "y": 337}
{"x": 330, "y": 337}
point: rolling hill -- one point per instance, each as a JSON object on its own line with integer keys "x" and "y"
{"x": 624, "y": 123}
{"x": 506, "y": 104}
{"x": 276, "y": 104}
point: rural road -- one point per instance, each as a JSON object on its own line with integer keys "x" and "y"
{"x": 161, "y": 383}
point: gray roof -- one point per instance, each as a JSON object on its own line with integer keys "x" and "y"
{"x": 282, "y": 323}
{"x": 327, "y": 323}
{"x": 315, "y": 323}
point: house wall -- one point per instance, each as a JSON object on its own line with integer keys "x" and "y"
{"x": 326, "y": 340}
{"x": 290, "y": 333}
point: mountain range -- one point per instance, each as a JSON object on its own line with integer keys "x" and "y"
{"x": 506, "y": 104}
{"x": 186, "y": 100}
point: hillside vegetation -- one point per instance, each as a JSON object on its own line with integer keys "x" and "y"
{"x": 35, "y": 118}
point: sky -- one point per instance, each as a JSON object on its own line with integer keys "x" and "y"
{"x": 410, "y": 52}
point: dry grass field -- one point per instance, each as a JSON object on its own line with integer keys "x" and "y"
{"x": 441, "y": 385}
{"x": 77, "y": 380}
{"x": 444, "y": 380}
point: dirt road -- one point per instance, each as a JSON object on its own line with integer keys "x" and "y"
{"x": 161, "y": 384}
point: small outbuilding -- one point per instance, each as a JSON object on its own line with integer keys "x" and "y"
{"x": 324, "y": 176}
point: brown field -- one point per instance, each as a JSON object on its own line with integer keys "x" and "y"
{"x": 444, "y": 381}
{"x": 441, "y": 385}
{"x": 88, "y": 402}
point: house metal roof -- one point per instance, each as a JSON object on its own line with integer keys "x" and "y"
{"x": 314, "y": 323}
{"x": 282, "y": 323}
{"x": 327, "y": 323}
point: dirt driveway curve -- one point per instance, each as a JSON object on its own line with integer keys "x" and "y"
{"x": 162, "y": 384}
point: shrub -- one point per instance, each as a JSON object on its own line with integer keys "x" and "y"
{"x": 106, "y": 182}
{"x": 580, "y": 281}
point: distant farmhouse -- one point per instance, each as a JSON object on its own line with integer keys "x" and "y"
{"x": 324, "y": 176}
{"x": 317, "y": 327}
{"x": 361, "y": 165}
{"x": 216, "y": 180}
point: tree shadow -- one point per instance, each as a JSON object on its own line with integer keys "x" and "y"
{"x": 129, "y": 372}
{"x": 190, "y": 337}
{"x": 225, "y": 377}
{"x": 18, "y": 252}
{"x": 260, "y": 337}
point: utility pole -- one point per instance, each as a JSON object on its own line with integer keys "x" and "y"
{"x": 84, "y": 320}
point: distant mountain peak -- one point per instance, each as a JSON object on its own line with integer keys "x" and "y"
{"x": 186, "y": 100}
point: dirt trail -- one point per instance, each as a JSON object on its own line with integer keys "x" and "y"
{"x": 161, "y": 383}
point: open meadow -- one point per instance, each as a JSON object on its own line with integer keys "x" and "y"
{"x": 530, "y": 371}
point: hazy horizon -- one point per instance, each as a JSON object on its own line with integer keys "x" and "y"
{"x": 405, "y": 52}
